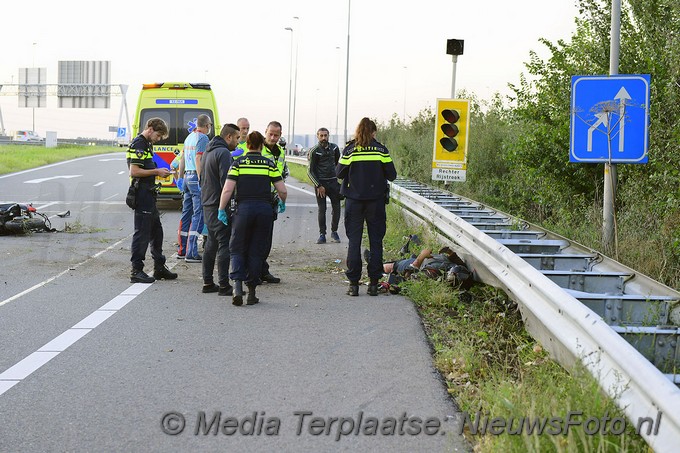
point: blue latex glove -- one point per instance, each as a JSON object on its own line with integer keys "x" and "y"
{"x": 180, "y": 184}
{"x": 282, "y": 207}
{"x": 222, "y": 216}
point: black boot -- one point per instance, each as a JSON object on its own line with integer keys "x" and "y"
{"x": 238, "y": 293}
{"x": 139, "y": 276}
{"x": 226, "y": 290}
{"x": 353, "y": 289}
{"x": 372, "y": 288}
{"x": 210, "y": 288}
{"x": 162, "y": 272}
{"x": 251, "y": 299}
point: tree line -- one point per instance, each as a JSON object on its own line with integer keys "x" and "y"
{"x": 518, "y": 155}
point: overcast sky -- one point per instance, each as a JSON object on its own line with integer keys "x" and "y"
{"x": 398, "y": 62}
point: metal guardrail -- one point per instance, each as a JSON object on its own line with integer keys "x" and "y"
{"x": 598, "y": 317}
{"x": 297, "y": 160}
{"x": 546, "y": 276}
{"x": 63, "y": 141}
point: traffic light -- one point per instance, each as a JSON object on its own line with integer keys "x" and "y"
{"x": 451, "y": 129}
{"x": 454, "y": 46}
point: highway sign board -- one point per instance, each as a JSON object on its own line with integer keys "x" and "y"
{"x": 609, "y": 119}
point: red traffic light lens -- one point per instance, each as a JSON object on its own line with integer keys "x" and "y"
{"x": 450, "y": 115}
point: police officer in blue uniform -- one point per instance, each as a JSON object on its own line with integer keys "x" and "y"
{"x": 249, "y": 181}
{"x": 365, "y": 167}
{"x": 148, "y": 228}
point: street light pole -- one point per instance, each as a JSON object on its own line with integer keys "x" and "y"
{"x": 297, "y": 41}
{"x": 290, "y": 85}
{"x": 349, "y": 10}
{"x": 405, "y": 73}
{"x": 337, "y": 99}
{"x": 316, "y": 112}
{"x": 33, "y": 66}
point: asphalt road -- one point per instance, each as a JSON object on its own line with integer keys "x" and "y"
{"x": 91, "y": 362}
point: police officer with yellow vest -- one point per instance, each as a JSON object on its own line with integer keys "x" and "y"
{"x": 148, "y": 228}
{"x": 243, "y": 127}
{"x": 249, "y": 180}
{"x": 277, "y": 154}
{"x": 365, "y": 167}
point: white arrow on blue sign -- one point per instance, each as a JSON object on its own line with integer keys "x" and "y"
{"x": 121, "y": 132}
{"x": 609, "y": 119}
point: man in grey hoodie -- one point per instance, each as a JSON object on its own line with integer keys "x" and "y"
{"x": 216, "y": 162}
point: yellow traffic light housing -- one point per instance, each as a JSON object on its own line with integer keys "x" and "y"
{"x": 450, "y": 134}
{"x": 449, "y": 161}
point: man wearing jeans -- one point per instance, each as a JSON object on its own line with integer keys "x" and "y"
{"x": 191, "y": 224}
{"x": 216, "y": 163}
{"x": 321, "y": 171}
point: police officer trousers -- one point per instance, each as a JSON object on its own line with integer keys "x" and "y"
{"x": 249, "y": 245}
{"x": 373, "y": 213}
{"x": 148, "y": 229}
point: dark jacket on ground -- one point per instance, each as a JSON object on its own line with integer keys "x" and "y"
{"x": 365, "y": 171}
{"x": 216, "y": 162}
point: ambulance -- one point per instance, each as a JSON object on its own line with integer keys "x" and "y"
{"x": 178, "y": 104}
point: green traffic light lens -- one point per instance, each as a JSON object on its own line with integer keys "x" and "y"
{"x": 448, "y": 144}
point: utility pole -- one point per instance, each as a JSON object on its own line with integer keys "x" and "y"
{"x": 349, "y": 11}
{"x": 610, "y": 177}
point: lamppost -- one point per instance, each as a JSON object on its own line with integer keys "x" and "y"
{"x": 316, "y": 111}
{"x": 292, "y": 127}
{"x": 405, "y": 72}
{"x": 290, "y": 86}
{"x": 337, "y": 99}
{"x": 33, "y": 66}
{"x": 349, "y": 10}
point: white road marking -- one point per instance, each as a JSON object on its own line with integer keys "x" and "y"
{"x": 46, "y": 205}
{"x": 121, "y": 172}
{"x": 27, "y": 366}
{"x": 112, "y": 158}
{"x": 9, "y": 175}
{"x": 45, "y": 282}
{"x": 39, "y": 180}
{"x": 112, "y": 196}
{"x": 301, "y": 190}
{"x": 99, "y": 183}
{"x": 67, "y": 203}
{"x": 22, "y": 369}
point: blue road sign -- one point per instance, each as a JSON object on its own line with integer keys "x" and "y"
{"x": 609, "y": 119}
{"x": 121, "y": 132}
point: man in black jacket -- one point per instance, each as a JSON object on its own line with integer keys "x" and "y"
{"x": 216, "y": 162}
{"x": 321, "y": 171}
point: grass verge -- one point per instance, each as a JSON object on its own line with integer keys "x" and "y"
{"x": 494, "y": 369}
{"x": 15, "y": 158}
